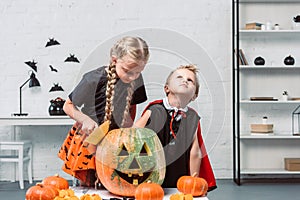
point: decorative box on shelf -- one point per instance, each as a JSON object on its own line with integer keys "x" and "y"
{"x": 292, "y": 164}
{"x": 261, "y": 128}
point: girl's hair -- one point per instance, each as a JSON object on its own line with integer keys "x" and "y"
{"x": 191, "y": 68}
{"x": 138, "y": 50}
{"x": 135, "y": 47}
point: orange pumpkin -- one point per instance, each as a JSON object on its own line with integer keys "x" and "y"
{"x": 90, "y": 197}
{"x": 149, "y": 191}
{"x": 192, "y": 185}
{"x": 181, "y": 196}
{"x": 128, "y": 157}
{"x": 40, "y": 191}
{"x": 57, "y": 181}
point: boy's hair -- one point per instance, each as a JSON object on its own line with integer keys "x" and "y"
{"x": 138, "y": 50}
{"x": 191, "y": 68}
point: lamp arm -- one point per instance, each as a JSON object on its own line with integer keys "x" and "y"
{"x": 25, "y": 83}
{"x": 21, "y": 93}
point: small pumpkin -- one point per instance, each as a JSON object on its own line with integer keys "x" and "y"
{"x": 90, "y": 197}
{"x": 149, "y": 191}
{"x": 41, "y": 191}
{"x": 66, "y": 192}
{"x": 192, "y": 185}
{"x": 181, "y": 196}
{"x": 57, "y": 181}
{"x": 128, "y": 157}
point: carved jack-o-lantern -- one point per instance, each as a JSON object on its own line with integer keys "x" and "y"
{"x": 128, "y": 157}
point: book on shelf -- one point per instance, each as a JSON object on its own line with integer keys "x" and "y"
{"x": 263, "y": 99}
{"x": 241, "y": 57}
{"x": 238, "y": 56}
{"x": 253, "y": 26}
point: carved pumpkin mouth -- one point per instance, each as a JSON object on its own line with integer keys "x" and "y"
{"x": 135, "y": 178}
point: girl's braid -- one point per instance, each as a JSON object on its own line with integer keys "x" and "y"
{"x": 126, "y": 115}
{"x": 110, "y": 91}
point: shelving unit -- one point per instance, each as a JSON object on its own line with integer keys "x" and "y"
{"x": 262, "y": 155}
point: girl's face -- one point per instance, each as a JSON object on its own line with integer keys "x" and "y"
{"x": 128, "y": 69}
{"x": 182, "y": 82}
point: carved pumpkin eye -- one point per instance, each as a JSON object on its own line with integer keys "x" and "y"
{"x": 123, "y": 151}
{"x": 145, "y": 151}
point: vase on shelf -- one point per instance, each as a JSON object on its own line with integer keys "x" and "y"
{"x": 285, "y": 96}
{"x": 289, "y": 60}
{"x": 264, "y": 119}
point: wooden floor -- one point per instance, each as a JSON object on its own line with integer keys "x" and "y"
{"x": 227, "y": 190}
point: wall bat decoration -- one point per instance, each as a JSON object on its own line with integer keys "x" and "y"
{"x": 72, "y": 58}
{"x": 56, "y": 87}
{"x": 52, "y": 68}
{"x": 52, "y": 42}
{"x": 32, "y": 64}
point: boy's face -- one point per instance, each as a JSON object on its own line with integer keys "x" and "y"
{"x": 128, "y": 69}
{"x": 182, "y": 82}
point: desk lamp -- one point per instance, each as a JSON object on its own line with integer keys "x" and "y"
{"x": 33, "y": 82}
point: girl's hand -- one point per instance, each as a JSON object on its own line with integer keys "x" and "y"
{"x": 88, "y": 125}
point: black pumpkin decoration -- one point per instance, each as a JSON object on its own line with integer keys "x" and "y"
{"x": 297, "y": 18}
{"x": 259, "y": 61}
{"x": 56, "y": 106}
{"x": 289, "y": 60}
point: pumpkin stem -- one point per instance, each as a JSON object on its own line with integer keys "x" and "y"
{"x": 56, "y": 175}
{"x": 194, "y": 174}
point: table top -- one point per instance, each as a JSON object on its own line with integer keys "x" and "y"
{"x": 32, "y": 120}
{"x": 79, "y": 191}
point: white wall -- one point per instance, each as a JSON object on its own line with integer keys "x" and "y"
{"x": 178, "y": 32}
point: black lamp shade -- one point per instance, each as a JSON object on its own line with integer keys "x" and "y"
{"x": 33, "y": 82}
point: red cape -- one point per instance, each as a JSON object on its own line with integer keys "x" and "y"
{"x": 206, "y": 171}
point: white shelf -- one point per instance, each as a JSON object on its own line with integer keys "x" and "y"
{"x": 268, "y": 136}
{"x": 268, "y": 171}
{"x": 269, "y": 102}
{"x": 263, "y": 153}
{"x": 251, "y": 32}
{"x": 270, "y": 34}
{"x": 269, "y": 1}
{"x": 266, "y": 67}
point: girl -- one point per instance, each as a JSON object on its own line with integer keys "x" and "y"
{"x": 178, "y": 128}
{"x": 105, "y": 94}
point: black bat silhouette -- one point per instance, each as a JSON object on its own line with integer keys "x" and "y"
{"x": 32, "y": 64}
{"x": 53, "y": 69}
{"x": 89, "y": 156}
{"x": 85, "y": 163}
{"x": 66, "y": 149}
{"x": 72, "y": 58}
{"x": 52, "y": 42}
